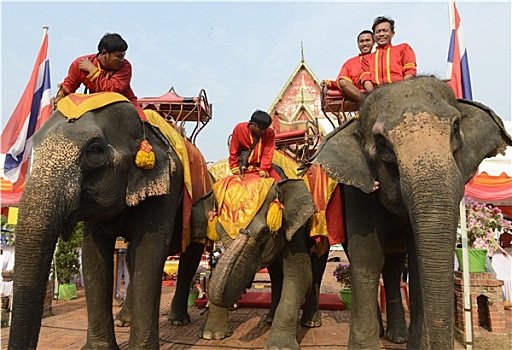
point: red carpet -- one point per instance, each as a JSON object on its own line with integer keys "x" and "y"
{"x": 262, "y": 300}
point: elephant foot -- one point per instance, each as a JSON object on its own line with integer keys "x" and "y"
{"x": 178, "y": 319}
{"x": 311, "y": 321}
{"x": 281, "y": 341}
{"x": 215, "y": 333}
{"x": 123, "y": 318}
{"x": 109, "y": 346}
{"x": 397, "y": 333}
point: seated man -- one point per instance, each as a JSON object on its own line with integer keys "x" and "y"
{"x": 389, "y": 63}
{"x": 252, "y": 146}
{"x": 105, "y": 71}
{"x": 348, "y": 77}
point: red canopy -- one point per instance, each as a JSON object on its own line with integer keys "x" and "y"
{"x": 10, "y": 197}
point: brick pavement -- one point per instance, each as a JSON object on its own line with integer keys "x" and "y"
{"x": 67, "y": 328}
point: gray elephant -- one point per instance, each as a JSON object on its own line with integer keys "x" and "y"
{"x": 84, "y": 169}
{"x": 254, "y": 248}
{"x": 422, "y": 145}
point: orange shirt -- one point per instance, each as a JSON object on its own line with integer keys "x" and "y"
{"x": 388, "y": 64}
{"x": 351, "y": 71}
{"x": 262, "y": 154}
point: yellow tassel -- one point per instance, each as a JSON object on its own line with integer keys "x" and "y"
{"x": 275, "y": 216}
{"x": 145, "y": 157}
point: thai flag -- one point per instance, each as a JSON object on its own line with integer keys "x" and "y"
{"x": 32, "y": 111}
{"x": 458, "y": 68}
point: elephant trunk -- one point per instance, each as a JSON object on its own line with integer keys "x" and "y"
{"x": 434, "y": 224}
{"x": 240, "y": 263}
{"x": 46, "y": 210}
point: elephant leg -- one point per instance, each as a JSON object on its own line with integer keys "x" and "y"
{"x": 216, "y": 325}
{"x": 189, "y": 262}
{"x": 275, "y": 271}
{"x": 396, "y": 330}
{"x": 416, "y": 330}
{"x": 297, "y": 283}
{"x": 367, "y": 260}
{"x": 311, "y": 316}
{"x": 98, "y": 277}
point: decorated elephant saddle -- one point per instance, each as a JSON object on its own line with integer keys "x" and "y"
{"x": 239, "y": 199}
{"x": 73, "y": 106}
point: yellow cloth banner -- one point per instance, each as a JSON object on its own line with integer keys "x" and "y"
{"x": 12, "y": 217}
{"x": 73, "y": 106}
{"x": 239, "y": 200}
{"x": 177, "y": 142}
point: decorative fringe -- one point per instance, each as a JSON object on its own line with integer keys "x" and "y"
{"x": 145, "y": 157}
{"x": 275, "y": 216}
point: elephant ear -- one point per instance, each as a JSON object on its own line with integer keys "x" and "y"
{"x": 298, "y": 205}
{"x": 143, "y": 183}
{"x": 484, "y": 135}
{"x": 199, "y": 217}
{"x": 343, "y": 158}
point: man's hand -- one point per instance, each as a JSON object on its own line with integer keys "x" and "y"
{"x": 86, "y": 65}
{"x": 375, "y": 186}
{"x": 263, "y": 173}
{"x": 54, "y": 101}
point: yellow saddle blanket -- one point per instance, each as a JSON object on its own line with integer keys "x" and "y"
{"x": 73, "y": 106}
{"x": 238, "y": 200}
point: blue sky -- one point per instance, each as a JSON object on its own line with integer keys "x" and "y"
{"x": 242, "y": 53}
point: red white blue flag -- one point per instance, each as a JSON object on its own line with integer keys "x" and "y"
{"x": 32, "y": 111}
{"x": 458, "y": 68}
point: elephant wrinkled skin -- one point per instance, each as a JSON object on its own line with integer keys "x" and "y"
{"x": 85, "y": 170}
{"x": 422, "y": 145}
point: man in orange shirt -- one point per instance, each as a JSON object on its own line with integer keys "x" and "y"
{"x": 348, "y": 80}
{"x": 388, "y": 64}
{"x": 105, "y": 71}
{"x": 253, "y": 143}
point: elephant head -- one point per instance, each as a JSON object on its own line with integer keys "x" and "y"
{"x": 83, "y": 170}
{"x": 255, "y": 247}
{"x": 422, "y": 145}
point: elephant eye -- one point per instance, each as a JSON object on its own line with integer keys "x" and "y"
{"x": 384, "y": 150}
{"x": 95, "y": 155}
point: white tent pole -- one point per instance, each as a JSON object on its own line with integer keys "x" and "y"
{"x": 465, "y": 277}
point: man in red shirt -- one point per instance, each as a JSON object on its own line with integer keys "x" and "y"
{"x": 105, "y": 71}
{"x": 348, "y": 80}
{"x": 388, "y": 64}
{"x": 257, "y": 135}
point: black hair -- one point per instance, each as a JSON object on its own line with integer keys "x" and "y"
{"x": 261, "y": 119}
{"x": 112, "y": 42}
{"x": 383, "y": 19}
{"x": 366, "y": 31}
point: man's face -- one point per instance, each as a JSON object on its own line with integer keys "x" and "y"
{"x": 365, "y": 43}
{"x": 255, "y": 129}
{"x": 114, "y": 60}
{"x": 383, "y": 34}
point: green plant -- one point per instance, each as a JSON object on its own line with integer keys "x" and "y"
{"x": 8, "y": 235}
{"x": 67, "y": 258}
{"x": 482, "y": 223}
{"x": 343, "y": 274}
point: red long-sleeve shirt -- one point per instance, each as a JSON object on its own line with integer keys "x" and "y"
{"x": 351, "y": 71}
{"x": 100, "y": 80}
{"x": 261, "y": 155}
{"x": 388, "y": 64}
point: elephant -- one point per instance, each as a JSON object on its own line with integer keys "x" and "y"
{"x": 422, "y": 145}
{"x": 254, "y": 248}
{"x": 84, "y": 170}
